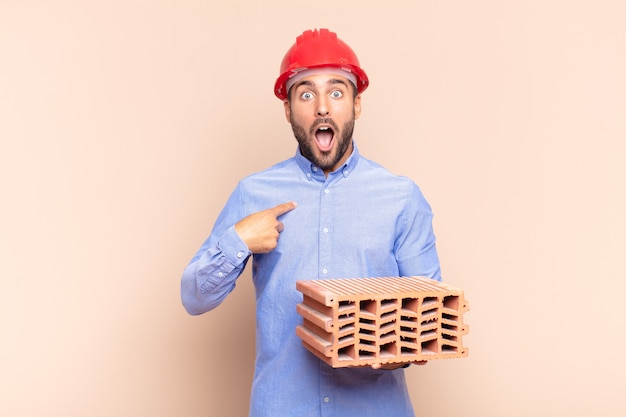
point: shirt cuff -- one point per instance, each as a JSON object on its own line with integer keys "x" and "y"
{"x": 233, "y": 247}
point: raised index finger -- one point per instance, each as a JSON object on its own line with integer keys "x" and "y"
{"x": 283, "y": 208}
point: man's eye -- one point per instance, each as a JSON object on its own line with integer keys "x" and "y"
{"x": 306, "y": 96}
{"x": 336, "y": 94}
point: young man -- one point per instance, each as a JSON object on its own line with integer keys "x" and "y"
{"x": 325, "y": 213}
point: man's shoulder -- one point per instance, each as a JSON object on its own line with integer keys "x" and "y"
{"x": 274, "y": 174}
{"x": 379, "y": 173}
{"x": 277, "y": 168}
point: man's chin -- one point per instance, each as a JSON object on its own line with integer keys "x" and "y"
{"x": 324, "y": 160}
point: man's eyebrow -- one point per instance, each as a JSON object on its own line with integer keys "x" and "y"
{"x": 309, "y": 83}
{"x": 337, "y": 81}
{"x": 303, "y": 82}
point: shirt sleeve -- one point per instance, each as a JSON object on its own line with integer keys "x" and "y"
{"x": 213, "y": 271}
{"x": 416, "y": 252}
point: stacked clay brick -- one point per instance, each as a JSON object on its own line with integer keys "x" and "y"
{"x": 365, "y": 321}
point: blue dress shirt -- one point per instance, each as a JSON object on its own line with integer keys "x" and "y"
{"x": 360, "y": 221}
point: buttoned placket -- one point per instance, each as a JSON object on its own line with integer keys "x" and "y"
{"x": 326, "y": 391}
{"x": 325, "y": 271}
{"x": 325, "y": 228}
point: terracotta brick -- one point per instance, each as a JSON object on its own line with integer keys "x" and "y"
{"x": 365, "y": 321}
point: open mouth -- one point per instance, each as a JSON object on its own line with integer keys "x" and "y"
{"x": 324, "y": 137}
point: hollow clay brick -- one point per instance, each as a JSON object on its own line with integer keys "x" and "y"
{"x": 365, "y": 321}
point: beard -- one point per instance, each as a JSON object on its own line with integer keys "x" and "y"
{"x": 326, "y": 160}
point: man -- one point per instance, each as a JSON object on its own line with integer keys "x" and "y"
{"x": 325, "y": 213}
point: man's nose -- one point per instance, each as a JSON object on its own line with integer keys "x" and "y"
{"x": 322, "y": 109}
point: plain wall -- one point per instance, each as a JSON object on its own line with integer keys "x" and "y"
{"x": 125, "y": 125}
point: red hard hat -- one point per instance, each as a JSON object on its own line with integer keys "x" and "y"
{"x": 316, "y": 49}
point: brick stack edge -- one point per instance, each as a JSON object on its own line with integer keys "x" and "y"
{"x": 365, "y": 321}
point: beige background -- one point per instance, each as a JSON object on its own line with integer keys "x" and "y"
{"x": 125, "y": 125}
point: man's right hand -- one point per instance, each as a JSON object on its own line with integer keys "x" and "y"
{"x": 260, "y": 230}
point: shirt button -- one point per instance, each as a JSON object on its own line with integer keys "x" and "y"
{"x": 326, "y": 230}
{"x": 326, "y": 191}
{"x": 326, "y": 399}
{"x": 220, "y": 274}
{"x": 324, "y": 271}
{"x": 239, "y": 254}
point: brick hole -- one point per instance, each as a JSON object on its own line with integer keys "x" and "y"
{"x": 410, "y": 304}
{"x": 429, "y": 316}
{"x": 367, "y": 322}
{"x": 429, "y": 303}
{"x": 450, "y": 327}
{"x": 345, "y": 320}
{"x": 387, "y": 315}
{"x": 388, "y": 350}
{"x": 451, "y": 302}
{"x": 450, "y": 337}
{"x": 430, "y": 348}
{"x": 430, "y": 309}
{"x": 345, "y": 305}
{"x": 389, "y": 302}
{"x": 366, "y": 331}
{"x": 364, "y": 355}
{"x": 407, "y": 351}
{"x": 346, "y": 338}
{"x": 428, "y": 334}
{"x": 346, "y": 328}
{"x": 388, "y": 328}
{"x": 449, "y": 348}
{"x": 449, "y": 317}
{"x": 408, "y": 323}
{"x": 368, "y": 306}
{"x": 346, "y": 353}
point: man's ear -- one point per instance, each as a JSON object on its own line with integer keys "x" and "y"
{"x": 287, "y": 110}
{"x": 357, "y": 106}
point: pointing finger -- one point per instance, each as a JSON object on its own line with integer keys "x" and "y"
{"x": 283, "y": 208}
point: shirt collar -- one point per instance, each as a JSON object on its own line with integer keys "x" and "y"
{"x": 312, "y": 171}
